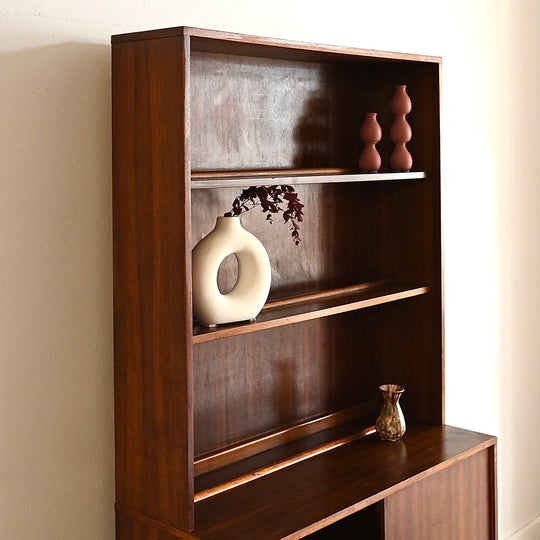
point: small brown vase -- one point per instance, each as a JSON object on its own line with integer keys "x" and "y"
{"x": 390, "y": 424}
{"x": 370, "y": 133}
{"x": 400, "y": 130}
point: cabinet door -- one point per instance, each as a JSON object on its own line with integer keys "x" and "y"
{"x": 457, "y": 503}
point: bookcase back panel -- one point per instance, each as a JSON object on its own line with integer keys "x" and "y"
{"x": 264, "y": 113}
{"x": 256, "y": 113}
{"x": 250, "y": 385}
{"x": 410, "y": 354}
{"x": 351, "y": 233}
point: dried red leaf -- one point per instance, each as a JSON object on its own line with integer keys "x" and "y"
{"x": 270, "y": 199}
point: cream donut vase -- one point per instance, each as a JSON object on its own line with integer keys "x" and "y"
{"x": 246, "y": 299}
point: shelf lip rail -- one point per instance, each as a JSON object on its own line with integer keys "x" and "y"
{"x": 328, "y": 175}
{"x": 302, "y": 430}
{"x": 311, "y": 306}
{"x": 254, "y": 475}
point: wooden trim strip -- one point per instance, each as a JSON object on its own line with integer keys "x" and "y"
{"x": 493, "y": 489}
{"x": 265, "y": 173}
{"x": 236, "y": 179}
{"x": 226, "y": 457}
{"x": 201, "y": 495}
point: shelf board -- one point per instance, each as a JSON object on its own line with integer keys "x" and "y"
{"x": 225, "y": 179}
{"x": 246, "y": 470}
{"x": 260, "y": 452}
{"x": 314, "y": 306}
{"x": 297, "y": 500}
{"x": 251, "y": 476}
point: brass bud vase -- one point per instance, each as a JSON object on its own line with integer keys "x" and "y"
{"x": 390, "y": 424}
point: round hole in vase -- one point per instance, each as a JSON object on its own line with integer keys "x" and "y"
{"x": 246, "y": 298}
{"x": 227, "y": 274}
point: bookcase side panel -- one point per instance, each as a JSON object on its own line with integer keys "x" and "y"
{"x": 152, "y": 298}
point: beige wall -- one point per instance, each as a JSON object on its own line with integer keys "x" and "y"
{"x": 56, "y": 406}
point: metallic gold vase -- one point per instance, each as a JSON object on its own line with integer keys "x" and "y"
{"x": 390, "y": 424}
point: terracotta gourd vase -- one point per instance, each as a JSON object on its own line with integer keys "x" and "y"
{"x": 370, "y": 133}
{"x": 246, "y": 299}
{"x": 400, "y": 130}
{"x": 390, "y": 424}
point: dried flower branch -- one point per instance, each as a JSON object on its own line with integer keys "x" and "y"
{"x": 272, "y": 200}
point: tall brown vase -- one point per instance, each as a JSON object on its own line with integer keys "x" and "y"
{"x": 400, "y": 130}
{"x": 370, "y": 133}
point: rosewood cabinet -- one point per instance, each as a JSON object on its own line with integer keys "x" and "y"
{"x": 265, "y": 429}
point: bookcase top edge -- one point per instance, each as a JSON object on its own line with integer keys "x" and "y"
{"x": 204, "y": 35}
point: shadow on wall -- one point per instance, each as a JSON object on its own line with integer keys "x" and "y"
{"x": 56, "y": 394}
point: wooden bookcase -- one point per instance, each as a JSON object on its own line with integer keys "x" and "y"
{"x": 265, "y": 430}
